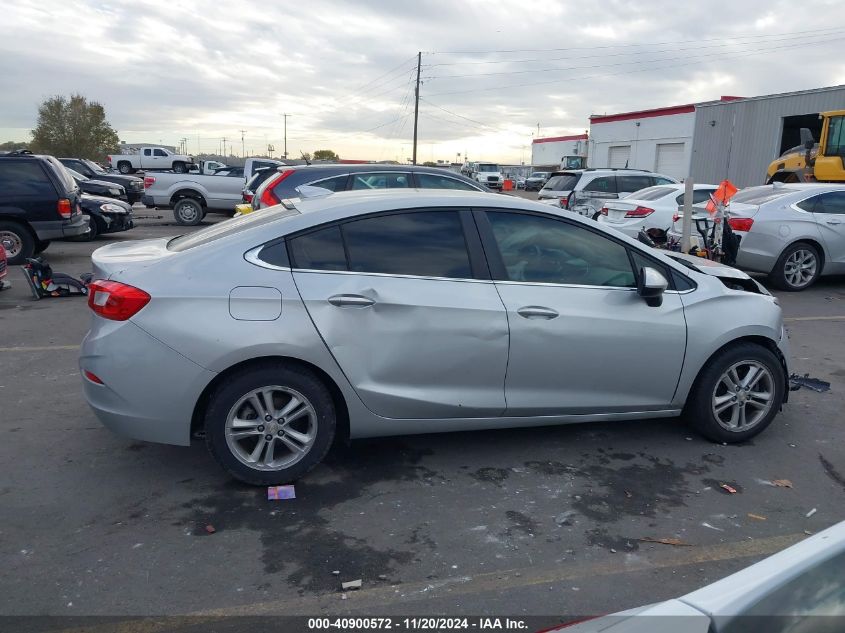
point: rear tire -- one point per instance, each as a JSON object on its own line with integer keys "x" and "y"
{"x": 188, "y": 212}
{"x": 124, "y": 167}
{"x": 180, "y": 167}
{"x": 18, "y": 241}
{"x": 797, "y": 268}
{"x": 724, "y": 414}
{"x": 94, "y": 229}
{"x": 244, "y": 448}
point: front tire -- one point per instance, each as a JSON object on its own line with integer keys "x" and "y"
{"x": 737, "y": 394}
{"x": 180, "y": 168}
{"x": 188, "y": 212}
{"x": 797, "y": 268}
{"x": 270, "y": 424}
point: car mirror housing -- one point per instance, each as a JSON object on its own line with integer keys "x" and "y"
{"x": 651, "y": 285}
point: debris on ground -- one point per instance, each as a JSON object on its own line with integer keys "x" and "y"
{"x": 808, "y": 533}
{"x": 210, "y": 529}
{"x": 712, "y": 527}
{"x": 351, "y": 585}
{"x": 382, "y": 577}
{"x": 796, "y": 382}
{"x": 336, "y": 572}
{"x": 565, "y": 518}
{"x": 810, "y": 513}
{"x": 728, "y": 488}
{"x": 628, "y": 494}
{"x": 343, "y": 596}
{"x": 665, "y": 541}
{"x": 279, "y": 493}
{"x": 782, "y": 483}
{"x": 756, "y": 517}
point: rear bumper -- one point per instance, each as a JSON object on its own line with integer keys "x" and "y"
{"x": 57, "y": 229}
{"x": 148, "y": 201}
{"x": 154, "y": 406}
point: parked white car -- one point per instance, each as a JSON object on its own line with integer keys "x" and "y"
{"x": 793, "y": 232}
{"x": 650, "y": 208}
{"x": 150, "y": 159}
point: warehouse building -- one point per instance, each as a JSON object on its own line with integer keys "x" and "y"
{"x": 555, "y": 152}
{"x": 737, "y": 140}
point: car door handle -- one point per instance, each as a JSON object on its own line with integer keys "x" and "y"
{"x": 537, "y": 312}
{"x": 833, "y": 222}
{"x": 343, "y": 301}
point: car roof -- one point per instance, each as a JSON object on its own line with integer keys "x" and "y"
{"x": 354, "y": 167}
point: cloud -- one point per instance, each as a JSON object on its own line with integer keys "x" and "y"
{"x": 344, "y": 70}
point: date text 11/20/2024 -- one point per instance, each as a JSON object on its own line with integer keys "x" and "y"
{"x": 417, "y": 624}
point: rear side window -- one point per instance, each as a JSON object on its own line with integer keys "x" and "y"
{"x": 381, "y": 180}
{"x": 698, "y": 196}
{"x": 660, "y": 180}
{"x": 423, "y": 243}
{"x": 338, "y": 183}
{"x": 24, "y": 178}
{"x": 319, "y": 250}
{"x": 604, "y": 184}
{"x": 634, "y": 183}
{"x": 435, "y": 181}
{"x": 562, "y": 182}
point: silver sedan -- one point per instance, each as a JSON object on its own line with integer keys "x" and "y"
{"x": 383, "y": 313}
{"x": 793, "y": 232}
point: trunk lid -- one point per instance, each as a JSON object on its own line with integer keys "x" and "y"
{"x": 115, "y": 258}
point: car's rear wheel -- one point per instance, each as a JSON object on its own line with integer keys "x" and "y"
{"x": 180, "y": 167}
{"x": 188, "y": 212}
{"x": 737, "y": 394}
{"x": 270, "y": 424}
{"x": 125, "y": 167}
{"x": 18, "y": 242}
{"x": 797, "y": 268}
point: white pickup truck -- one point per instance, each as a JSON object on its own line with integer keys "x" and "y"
{"x": 191, "y": 196}
{"x": 151, "y": 159}
{"x": 489, "y": 174}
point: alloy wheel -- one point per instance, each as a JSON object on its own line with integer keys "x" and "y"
{"x": 271, "y": 428}
{"x": 743, "y": 396}
{"x": 799, "y": 269}
{"x": 11, "y": 242}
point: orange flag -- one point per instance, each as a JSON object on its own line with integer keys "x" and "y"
{"x": 722, "y": 195}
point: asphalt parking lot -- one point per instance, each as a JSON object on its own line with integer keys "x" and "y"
{"x": 547, "y": 521}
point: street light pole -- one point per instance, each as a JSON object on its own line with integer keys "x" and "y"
{"x": 417, "y": 105}
{"x": 286, "y": 115}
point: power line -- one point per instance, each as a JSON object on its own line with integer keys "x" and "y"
{"x": 630, "y": 71}
{"x": 581, "y": 48}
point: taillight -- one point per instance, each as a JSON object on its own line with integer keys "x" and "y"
{"x": 741, "y": 224}
{"x": 268, "y": 196}
{"x": 675, "y": 217}
{"x": 92, "y": 377}
{"x": 149, "y": 181}
{"x": 603, "y": 210}
{"x": 114, "y": 300}
{"x": 65, "y": 208}
{"x": 639, "y": 212}
{"x": 564, "y": 202}
{"x": 248, "y": 196}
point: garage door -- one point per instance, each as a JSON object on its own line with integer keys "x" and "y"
{"x": 670, "y": 160}
{"x": 618, "y": 156}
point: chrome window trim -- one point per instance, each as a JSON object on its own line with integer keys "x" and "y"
{"x": 557, "y": 285}
{"x": 252, "y": 257}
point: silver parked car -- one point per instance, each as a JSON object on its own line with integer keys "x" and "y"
{"x": 364, "y": 313}
{"x": 793, "y": 232}
{"x": 798, "y": 590}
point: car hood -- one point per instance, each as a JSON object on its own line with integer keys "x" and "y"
{"x": 707, "y": 266}
{"x": 99, "y": 183}
{"x": 87, "y": 201}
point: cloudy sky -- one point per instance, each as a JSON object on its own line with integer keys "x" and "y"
{"x": 344, "y": 70}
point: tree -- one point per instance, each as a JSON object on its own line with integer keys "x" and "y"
{"x": 429, "y": 163}
{"x": 73, "y": 127}
{"x": 325, "y": 154}
{"x": 11, "y": 146}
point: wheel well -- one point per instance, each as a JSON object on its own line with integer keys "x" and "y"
{"x": 187, "y": 193}
{"x": 342, "y": 432}
{"x": 22, "y": 223}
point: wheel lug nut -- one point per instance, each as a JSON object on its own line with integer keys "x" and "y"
{"x": 268, "y": 437}
{"x": 281, "y": 433}
{"x": 260, "y": 428}
{"x": 267, "y": 418}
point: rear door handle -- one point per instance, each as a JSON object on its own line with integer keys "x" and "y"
{"x": 343, "y": 301}
{"x": 833, "y": 222}
{"x": 537, "y": 312}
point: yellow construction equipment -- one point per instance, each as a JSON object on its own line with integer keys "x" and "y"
{"x": 814, "y": 162}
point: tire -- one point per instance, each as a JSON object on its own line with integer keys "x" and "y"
{"x": 710, "y": 392}
{"x": 18, "y": 241}
{"x": 231, "y": 401}
{"x": 180, "y": 167}
{"x": 41, "y": 245}
{"x": 125, "y": 167}
{"x": 188, "y": 212}
{"x": 786, "y": 274}
{"x": 94, "y": 229}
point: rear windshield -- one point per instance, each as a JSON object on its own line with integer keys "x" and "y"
{"x": 759, "y": 195}
{"x": 229, "y": 227}
{"x": 562, "y": 182}
{"x": 64, "y": 176}
{"x": 653, "y": 193}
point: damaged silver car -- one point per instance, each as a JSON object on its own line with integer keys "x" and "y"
{"x": 363, "y": 314}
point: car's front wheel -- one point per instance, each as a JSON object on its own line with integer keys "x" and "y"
{"x": 270, "y": 424}
{"x": 737, "y": 394}
{"x": 18, "y": 242}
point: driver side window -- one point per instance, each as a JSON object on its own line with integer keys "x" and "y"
{"x": 537, "y": 249}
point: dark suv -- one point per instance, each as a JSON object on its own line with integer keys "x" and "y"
{"x": 356, "y": 177}
{"x": 39, "y": 202}
{"x": 134, "y": 186}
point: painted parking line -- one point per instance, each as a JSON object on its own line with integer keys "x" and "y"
{"x": 497, "y": 581}
{"x": 814, "y": 318}
{"x": 46, "y": 348}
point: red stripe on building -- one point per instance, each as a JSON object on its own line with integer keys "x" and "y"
{"x": 552, "y": 139}
{"x": 654, "y": 112}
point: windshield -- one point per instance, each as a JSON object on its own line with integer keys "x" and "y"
{"x": 94, "y": 167}
{"x": 562, "y": 182}
{"x": 488, "y": 167}
{"x": 759, "y": 195}
{"x": 540, "y": 174}
{"x": 229, "y": 227}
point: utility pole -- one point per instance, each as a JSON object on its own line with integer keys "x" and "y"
{"x": 286, "y": 115}
{"x": 243, "y": 151}
{"x": 224, "y": 139}
{"x": 417, "y": 105}
{"x": 538, "y": 130}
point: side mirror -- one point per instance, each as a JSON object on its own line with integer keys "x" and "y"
{"x": 651, "y": 285}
